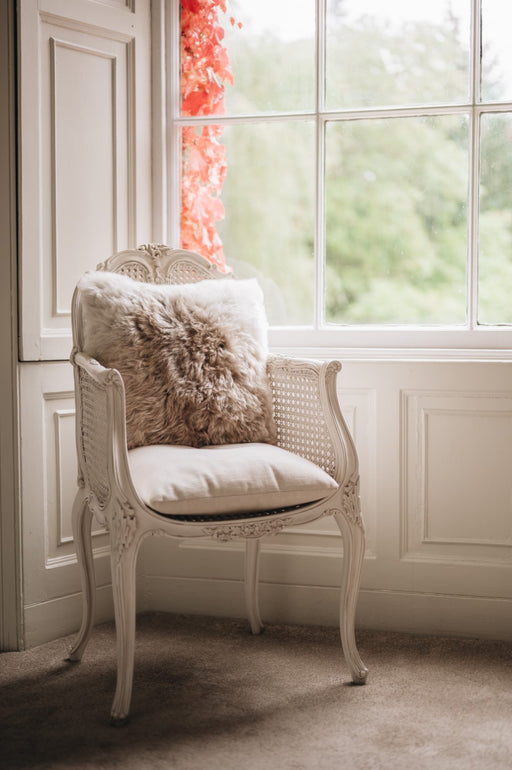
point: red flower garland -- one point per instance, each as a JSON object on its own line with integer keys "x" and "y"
{"x": 205, "y": 68}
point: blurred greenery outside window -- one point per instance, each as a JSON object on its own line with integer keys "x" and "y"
{"x": 360, "y": 157}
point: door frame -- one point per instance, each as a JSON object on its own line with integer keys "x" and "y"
{"x": 11, "y": 616}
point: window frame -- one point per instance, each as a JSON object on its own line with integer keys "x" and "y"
{"x": 466, "y": 341}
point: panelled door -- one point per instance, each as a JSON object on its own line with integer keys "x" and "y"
{"x": 85, "y": 172}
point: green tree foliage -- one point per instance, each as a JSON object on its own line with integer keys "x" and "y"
{"x": 373, "y": 63}
{"x": 269, "y": 226}
{"x": 496, "y": 220}
{"x": 396, "y": 224}
{"x": 396, "y": 192}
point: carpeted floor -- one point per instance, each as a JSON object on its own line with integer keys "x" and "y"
{"x": 209, "y": 696}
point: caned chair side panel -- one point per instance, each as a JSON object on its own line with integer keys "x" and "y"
{"x": 299, "y": 414}
{"x": 94, "y": 436}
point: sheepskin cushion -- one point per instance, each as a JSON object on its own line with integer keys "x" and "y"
{"x": 186, "y": 481}
{"x": 192, "y": 357}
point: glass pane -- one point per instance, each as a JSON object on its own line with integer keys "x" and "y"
{"x": 256, "y": 57}
{"x": 203, "y": 171}
{"x": 397, "y": 53}
{"x": 396, "y": 204}
{"x": 495, "y": 265}
{"x": 496, "y": 50}
{"x": 268, "y": 230}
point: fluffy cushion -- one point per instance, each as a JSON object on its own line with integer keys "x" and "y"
{"x": 192, "y": 357}
{"x": 185, "y": 481}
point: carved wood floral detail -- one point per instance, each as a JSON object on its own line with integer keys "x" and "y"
{"x": 155, "y": 252}
{"x": 232, "y": 531}
{"x": 122, "y": 524}
{"x": 350, "y": 503}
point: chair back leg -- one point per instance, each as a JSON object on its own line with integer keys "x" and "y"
{"x": 252, "y": 560}
{"x": 82, "y": 520}
{"x": 352, "y": 530}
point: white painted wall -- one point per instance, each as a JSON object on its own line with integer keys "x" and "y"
{"x": 434, "y": 437}
{"x": 435, "y": 442}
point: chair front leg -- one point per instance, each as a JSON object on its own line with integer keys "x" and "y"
{"x": 123, "y": 559}
{"x": 82, "y": 520}
{"x": 352, "y": 529}
{"x": 252, "y": 558}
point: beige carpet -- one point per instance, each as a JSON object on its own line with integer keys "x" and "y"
{"x": 208, "y": 695}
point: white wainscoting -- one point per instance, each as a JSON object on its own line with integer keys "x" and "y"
{"x": 435, "y": 444}
{"x": 85, "y": 112}
{"x": 456, "y": 446}
{"x": 52, "y": 588}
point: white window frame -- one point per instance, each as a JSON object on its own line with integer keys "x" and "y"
{"x": 466, "y": 341}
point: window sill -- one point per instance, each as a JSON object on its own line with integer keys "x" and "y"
{"x": 395, "y": 344}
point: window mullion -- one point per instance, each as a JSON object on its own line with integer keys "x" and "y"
{"x": 320, "y": 234}
{"x": 159, "y": 122}
{"x": 473, "y": 224}
{"x": 173, "y": 29}
{"x": 319, "y": 248}
{"x": 476, "y": 52}
{"x": 225, "y": 120}
{"x": 474, "y": 171}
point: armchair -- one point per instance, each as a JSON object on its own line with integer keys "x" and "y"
{"x": 209, "y": 489}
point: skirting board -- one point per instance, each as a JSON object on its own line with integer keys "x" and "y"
{"x": 50, "y": 620}
{"x": 312, "y": 605}
{"x": 304, "y": 605}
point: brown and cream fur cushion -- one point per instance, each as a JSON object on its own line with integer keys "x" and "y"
{"x": 192, "y": 357}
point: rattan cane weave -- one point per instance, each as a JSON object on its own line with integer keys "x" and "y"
{"x": 298, "y": 413}
{"x": 186, "y": 272}
{"x": 94, "y": 436}
{"x": 136, "y": 271}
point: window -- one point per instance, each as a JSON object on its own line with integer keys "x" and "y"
{"x": 355, "y": 156}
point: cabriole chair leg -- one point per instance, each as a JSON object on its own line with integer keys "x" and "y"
{"x": 123, "y": 563}
{"x": 353, "y": 552}
{"x": 252, "y": 559}
{"x": 82, "y": 519}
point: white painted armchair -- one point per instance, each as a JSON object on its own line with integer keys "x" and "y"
{"x": 312, "y": 454}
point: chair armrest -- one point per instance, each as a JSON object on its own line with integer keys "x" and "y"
{"x": 100, "y": 374}
{"x": 308, "y": 417}
{"x": 100, "y": 430}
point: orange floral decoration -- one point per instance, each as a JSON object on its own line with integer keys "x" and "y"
{"x": 205, "y": 69}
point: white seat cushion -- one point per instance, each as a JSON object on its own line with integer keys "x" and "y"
{"x": 215, "y": 480}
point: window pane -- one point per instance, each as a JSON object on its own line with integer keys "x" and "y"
{"x": 257, "y": 57}
{"x": 396, "y": 52}
{"x": 396, "y": 220}
{"x": 203, "y": 170}
{"x": 496, "y": 50}
{"x": 495, "y": 272}
{"x": 268, "y": 230}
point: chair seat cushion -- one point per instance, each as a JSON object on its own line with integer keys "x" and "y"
{"x": 187, "y": 481}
